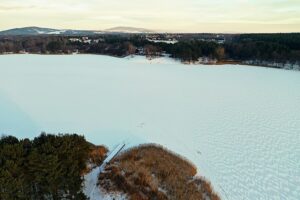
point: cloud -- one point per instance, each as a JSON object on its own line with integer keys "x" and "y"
{"x": 15, "y": 8}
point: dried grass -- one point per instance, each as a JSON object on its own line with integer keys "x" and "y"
{"x": 153, "y": 172}
{"x": 97, "y": 155}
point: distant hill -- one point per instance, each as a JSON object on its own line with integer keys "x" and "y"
{"x": 27, "y": 31}
{"x": 125, "y": 29}
{"x": 45, "y": 31}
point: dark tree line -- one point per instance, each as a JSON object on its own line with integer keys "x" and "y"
{"x": 264, "y": 47}
{"x": 47, "y": 167}
{"x": 38, "y": 44}
{"x": 259, "y": 51}
{"x": 269, "y": 47}
{"x": 115, "y": 49}
{"x": 192, "y": 50}
{"x": 290, "y": 40}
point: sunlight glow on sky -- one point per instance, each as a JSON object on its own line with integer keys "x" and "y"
{"x": 160, "y": 15}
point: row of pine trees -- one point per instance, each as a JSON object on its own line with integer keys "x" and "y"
{"x": 47, "y": 167}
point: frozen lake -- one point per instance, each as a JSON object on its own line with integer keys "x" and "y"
{"x": 240, "y": 125}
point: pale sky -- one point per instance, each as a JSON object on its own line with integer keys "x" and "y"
{"x": 160, "y": 15}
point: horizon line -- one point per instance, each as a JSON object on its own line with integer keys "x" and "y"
{"x": 151, "y": 31}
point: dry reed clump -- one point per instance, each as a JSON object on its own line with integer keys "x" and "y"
{"x": 96, "y": 156}
{"x": 151, "y": 172}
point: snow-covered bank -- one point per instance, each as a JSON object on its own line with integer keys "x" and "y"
{"x": 91, "y": 188}
{"x": 240, "y": 125}
{"x": 280, "y": 65}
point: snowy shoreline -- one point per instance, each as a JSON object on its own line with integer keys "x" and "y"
{"x": 259, "y": 63}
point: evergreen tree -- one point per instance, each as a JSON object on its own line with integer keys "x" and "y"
{"x": 48, "y": 167}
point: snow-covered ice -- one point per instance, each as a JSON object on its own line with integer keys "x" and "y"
{"x": 239, "y": 124}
